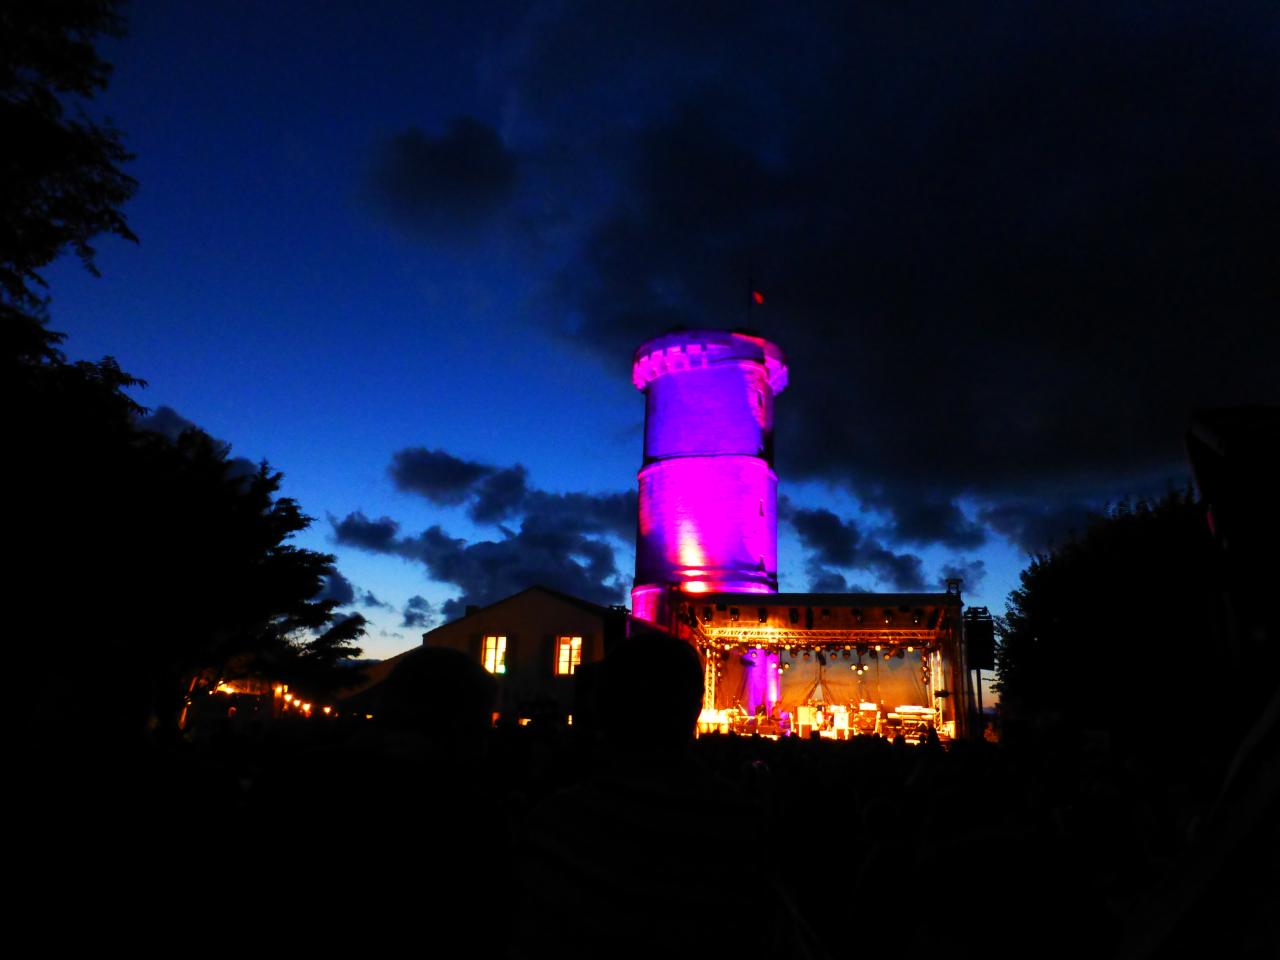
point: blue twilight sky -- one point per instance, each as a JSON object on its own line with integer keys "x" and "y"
{"x": 403, "y": 250}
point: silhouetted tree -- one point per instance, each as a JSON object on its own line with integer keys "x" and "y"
{"x": 246, "y": 598}
{"x": 60, "y": 178}
{"x": 148, "y": 562}
{"x": 140, "y": 562}
{"x": 1116, "y": 632}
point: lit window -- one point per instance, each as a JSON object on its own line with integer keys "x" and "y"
{"x": 568, "y": 655}
{"x": 495, "y": 654}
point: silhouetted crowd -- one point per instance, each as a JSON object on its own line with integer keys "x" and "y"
{"x": 430, "y": 829}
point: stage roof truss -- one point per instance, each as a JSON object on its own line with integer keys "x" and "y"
{"x": 782, "y": 636}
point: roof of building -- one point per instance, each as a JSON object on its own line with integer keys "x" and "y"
{"x": 375, "y": 673}
{"x": 584, "y": 605}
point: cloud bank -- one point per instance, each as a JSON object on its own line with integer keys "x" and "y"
{"x": 567, "y": 541}
{"x": 1007, "y": 248}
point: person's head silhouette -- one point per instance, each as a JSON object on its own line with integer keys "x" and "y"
{"x": 651, "y": 695}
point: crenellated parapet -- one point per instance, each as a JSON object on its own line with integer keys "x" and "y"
{"x": 698, "y": 349}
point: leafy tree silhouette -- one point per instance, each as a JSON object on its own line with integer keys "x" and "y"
{"x": 140, "y": 562}
{"x": 60, "y": 178}
{"x": 146, "y": 562}
{"x": 1116, "y": 632}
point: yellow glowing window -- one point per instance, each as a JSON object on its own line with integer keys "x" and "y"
{"x": 495, "y": 654}
{"x": 568, "y": 655}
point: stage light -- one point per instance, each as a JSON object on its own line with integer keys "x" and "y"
{"x": 910, "y": 649}
{"x": 879, "y": 647}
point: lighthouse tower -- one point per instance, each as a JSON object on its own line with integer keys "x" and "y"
{"x": 708, "y": 520}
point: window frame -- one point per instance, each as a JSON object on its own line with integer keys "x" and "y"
{"x": 567, "y": 654}
{"x": 497, "y": 663}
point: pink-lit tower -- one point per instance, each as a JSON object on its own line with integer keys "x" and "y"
{"x": 708, "y": 520}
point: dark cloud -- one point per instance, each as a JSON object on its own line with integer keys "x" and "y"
{"x": 440, "y": 477}
{"x": 836, "y": 543}
{"x": 824, "y": 579}
{"x": 540, "y": 552}
{"x": 596, "y": 513}
{"x": 928, "y": 518}
{"x": 903, "y": 570}
{"x": 832, "y": 540}
{"x": 337, "y": 587}
{"x": 171, "y": 425}
{"x": 367, "y": 599}
{"x": 971, "y": 572}
{"x": 437, "y": 184}
{"x": 499, "y": 495}
{"x": 561, "y": 540}
{"x": 1007, "y": 248}
{"x": 357, "y": 530}
{"x": 418, "y": 613}
{"x": 165, "y": 421}
{"x": 495, "y": 494}
{"x": 1037, "y": 526}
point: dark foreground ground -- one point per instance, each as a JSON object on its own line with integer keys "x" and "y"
{"x": 336, "y": 837}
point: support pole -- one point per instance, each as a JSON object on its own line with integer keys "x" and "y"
{"x": 982, "y": 717}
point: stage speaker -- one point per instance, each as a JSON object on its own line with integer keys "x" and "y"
{"x": 979, "y": 639}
